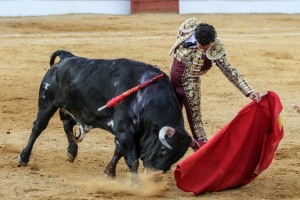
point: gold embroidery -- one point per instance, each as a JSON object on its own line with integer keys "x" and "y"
{"x": 188, "y": 26}
{"x": 233, "y": 75}
{"x": 216, "y": 51}
{"x": 192, "y": 57}
{"x": 186, "y": 29}
{"x": 193, "y": 94}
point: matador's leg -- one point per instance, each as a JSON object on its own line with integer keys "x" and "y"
{"x": 193, "y": 108}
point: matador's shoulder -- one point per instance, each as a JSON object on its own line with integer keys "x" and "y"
{"x": 186, "y": 29}
{"x": 216, "y": 51}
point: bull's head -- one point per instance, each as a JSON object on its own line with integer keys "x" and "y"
{"x": 167, "y": 149}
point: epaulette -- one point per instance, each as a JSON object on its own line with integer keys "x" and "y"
{"x": 216, "y": 51}
{"x": 186, "y": 29}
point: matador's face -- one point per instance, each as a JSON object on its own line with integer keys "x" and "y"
{"x": 203, "y": 48}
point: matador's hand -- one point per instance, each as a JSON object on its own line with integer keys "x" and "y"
{"x": 255, "y": 95}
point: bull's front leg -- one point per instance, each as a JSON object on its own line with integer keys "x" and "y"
{"x": 129, "y": 147}
{"x": 69, "y": 123}
{"x": 110, "y": 169}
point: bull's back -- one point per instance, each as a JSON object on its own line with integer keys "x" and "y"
{"x": 89, "y": 83}
{"x": 103, "y": 74}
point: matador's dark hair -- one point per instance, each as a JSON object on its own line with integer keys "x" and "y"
{"x": 205, "y": 34}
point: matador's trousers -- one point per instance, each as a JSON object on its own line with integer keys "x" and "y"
{"x": 188, "y": 92}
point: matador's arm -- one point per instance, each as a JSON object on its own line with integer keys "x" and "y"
{"x": 217, "y": 54}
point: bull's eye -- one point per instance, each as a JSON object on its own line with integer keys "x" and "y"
{"x": 155, "y": 128}
{"x": 163, "y": 151}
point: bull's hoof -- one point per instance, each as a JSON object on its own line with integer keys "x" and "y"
{"x": 109, "y": 174}
{"x": 21, "y": 163}
{"x": 70, "y": 157}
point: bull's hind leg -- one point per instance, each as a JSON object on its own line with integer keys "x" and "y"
{"x": 69, "y": 123}
{"x": 44, "y": 114}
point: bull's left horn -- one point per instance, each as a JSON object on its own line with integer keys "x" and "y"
{"x": 166, "y": 131}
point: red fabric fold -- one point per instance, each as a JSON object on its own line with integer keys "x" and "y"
{"x": 238, "y": 153}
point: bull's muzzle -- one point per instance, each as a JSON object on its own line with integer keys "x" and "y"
{"x": 166, "y": 131}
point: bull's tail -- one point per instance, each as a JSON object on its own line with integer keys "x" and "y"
{"x": 61, "y": 54}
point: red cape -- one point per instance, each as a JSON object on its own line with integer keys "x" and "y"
{"x": 237, "y": 153}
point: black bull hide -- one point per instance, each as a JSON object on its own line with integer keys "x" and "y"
{"x": 79, "y": 86}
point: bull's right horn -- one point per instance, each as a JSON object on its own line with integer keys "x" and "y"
{"x": 166, "y": 131}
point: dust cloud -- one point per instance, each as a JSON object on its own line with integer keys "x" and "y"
{"x": 149, "y": 185}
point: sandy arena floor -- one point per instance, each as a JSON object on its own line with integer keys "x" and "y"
{"x": 265, "y": 48}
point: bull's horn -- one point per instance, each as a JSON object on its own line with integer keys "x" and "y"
{"x": 166, "y": 131}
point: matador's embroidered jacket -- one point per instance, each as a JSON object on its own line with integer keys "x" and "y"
{"x": 189, "y": 64}
{"x": 198, "y": 63}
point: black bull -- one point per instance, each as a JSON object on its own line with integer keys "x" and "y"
{"x": 78, "y": 87}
